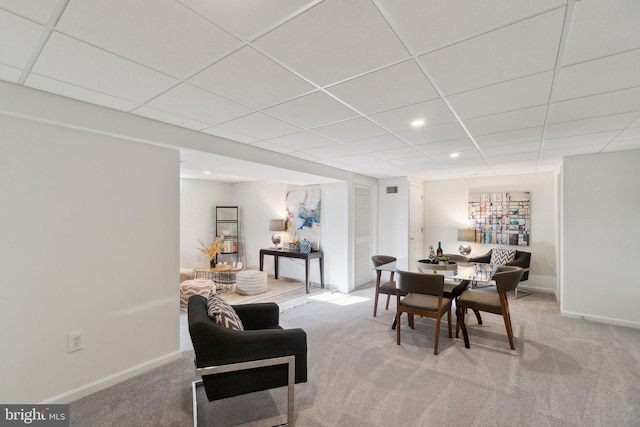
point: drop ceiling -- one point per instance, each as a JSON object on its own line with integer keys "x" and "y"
{"x": 511, "y": 86}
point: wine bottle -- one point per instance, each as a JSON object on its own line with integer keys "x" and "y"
{"x": 439, "y": 250}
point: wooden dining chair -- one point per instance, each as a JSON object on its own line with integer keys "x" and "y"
{"x": 424, "y": 298}
{"x": 507, "y": 278}
{"x": 386, "y": 288}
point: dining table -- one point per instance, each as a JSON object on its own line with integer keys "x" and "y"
{"x": 459, "y": 276}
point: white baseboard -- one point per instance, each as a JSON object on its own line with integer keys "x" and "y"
{"x": 602, "y": 319}
{"x": 111, "y": 380}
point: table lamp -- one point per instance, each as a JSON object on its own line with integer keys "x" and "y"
{"x": 276, "y": 225}
{"x": 466, "y": 235}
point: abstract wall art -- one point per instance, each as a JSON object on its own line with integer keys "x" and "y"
{"x": 500, "y": 218}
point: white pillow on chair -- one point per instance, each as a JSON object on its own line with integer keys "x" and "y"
{"x": 502, "y": 256}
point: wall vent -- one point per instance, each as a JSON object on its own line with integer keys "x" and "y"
{"x": 392, "y": 190}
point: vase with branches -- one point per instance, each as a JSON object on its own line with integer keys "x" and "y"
{"x": 212, "y": 250}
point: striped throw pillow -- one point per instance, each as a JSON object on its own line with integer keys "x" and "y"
{"x": 223, "y": 314}
{"x": 502, "y": 256}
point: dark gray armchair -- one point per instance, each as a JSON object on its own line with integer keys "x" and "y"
{"x": 233, "y": 362}
{"x": 522, "y": 260}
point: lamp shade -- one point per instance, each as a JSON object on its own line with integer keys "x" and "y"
{"x": 466, "y": 235}
{"x": 276, "y": 225}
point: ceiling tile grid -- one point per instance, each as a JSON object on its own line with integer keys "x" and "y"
{"x": 511, "y": 86}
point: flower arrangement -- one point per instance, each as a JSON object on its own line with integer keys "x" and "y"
{"x": 214, "y": 249}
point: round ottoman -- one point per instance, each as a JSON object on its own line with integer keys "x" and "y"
{"x": 195, "y": 287}
{"x": 251, "y": 282}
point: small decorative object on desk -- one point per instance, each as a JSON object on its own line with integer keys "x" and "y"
{"x": 305, "y": 246}
{"x": 432, "y": 253}
{"x": 294, "y": 247}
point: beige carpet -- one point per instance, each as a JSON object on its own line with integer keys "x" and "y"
{"x": 564, "y": 372}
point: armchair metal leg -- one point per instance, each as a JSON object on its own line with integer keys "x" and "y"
{"x": 521, "y": 291}
{"x": 194, "y": 385}
{"x": 290, "y": 361}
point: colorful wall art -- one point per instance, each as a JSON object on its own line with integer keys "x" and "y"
{"x": 303, "y": 213}
{"x": 500, "y": 218}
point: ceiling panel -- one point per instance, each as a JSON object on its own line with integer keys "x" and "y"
{"x": 312, "y": 110}
{"x": 351, "y": 36}
{"x": 36, "y": 10}
{"x": 71, "y": 90}
{"x": 496, "y": 152}
{"x": 427, "y": 25}
{"x": 332, "y": 151}
{"x": 378, "y": 143}
{"x": 396, "y": 153}
{"x": 623, "y": 145}
{"x": 514, "y": 137}
{"x": 510, "y": 120}
{"x": 247, "y": 18}
{"x": 423, "y": 135}
{"x": 434, "y": 112}
{"x": 351, "y": 130}
{"x": 605, "y": 104}
{"x": 587, "y": 126}
{"x": 163, "y": 116}
{"x": 79, "y": 64}
{"x": 229, "y": 134}
{"x": 235, "y": 78}
{"x": 599, "y": 76}
{"x": 301, "y": 141}
{"x": 189, "y": 101}
{"x": 629, "y": 134}
{"x": 16, "y": 55}
{"x": 511, "y": 85}
{"x": 448, "y": 147}
{"x": 260, "y": 126}
{"x": 511, "y": 52}
{"x": 601, "y": 28}
{"x": 113, "y": 25}
{"x": 385, "y": 89}
{"x": 532, "y": 91}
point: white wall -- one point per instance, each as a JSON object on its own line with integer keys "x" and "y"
{"x": 446, "y": 210}
{"x": 335, "y": 239}
{"x": 261, "y": 201}
{"x": 600, "y": 237}
{"x": 393, "y": 218}
{"x": 89, "y": 242}
{"x": 198, "y": 201}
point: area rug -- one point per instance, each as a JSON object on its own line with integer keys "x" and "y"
{"x": 277, "y": 290}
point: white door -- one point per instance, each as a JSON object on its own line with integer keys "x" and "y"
{"x": 363, "y": 235}
{"x": 416, "y": 221}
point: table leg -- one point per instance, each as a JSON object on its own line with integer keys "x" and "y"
{"x": 321, "y": 260}
{"x": 306, "y": 273}
{"x": 261, "y": 260}
{"x": 460, "y": 315}
{"x": 275, "y": 263}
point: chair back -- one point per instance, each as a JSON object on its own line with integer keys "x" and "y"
{"x": 379, "y": 260}
{"x": 507, "y": 278}
{"x": 421, "y": 283}
{"x": 458, "y": 258}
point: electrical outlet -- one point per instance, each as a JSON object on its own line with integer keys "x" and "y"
{"x": 76, "y": 341}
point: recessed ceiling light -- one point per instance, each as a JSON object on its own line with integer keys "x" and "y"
{"x": 207, "y": 172}
{"x": 417, "y": 123}
{"x": 454, "y": 155}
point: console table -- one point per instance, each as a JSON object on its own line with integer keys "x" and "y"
{"x": 277, "y": 253}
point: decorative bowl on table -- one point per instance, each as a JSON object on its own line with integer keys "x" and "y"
{"x": 437, "y": 266}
